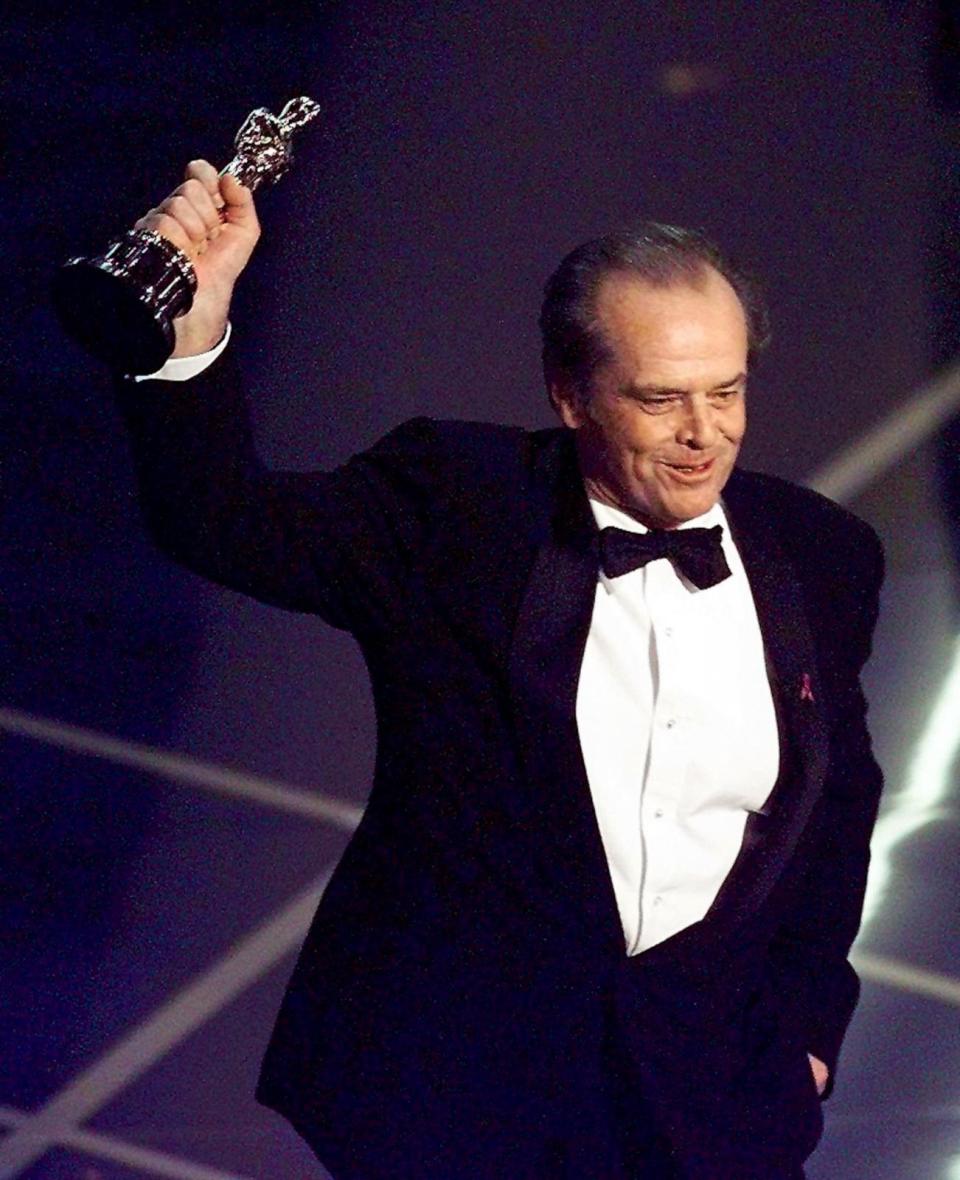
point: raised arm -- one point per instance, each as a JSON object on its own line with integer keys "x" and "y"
{"x": 337, "y": 543}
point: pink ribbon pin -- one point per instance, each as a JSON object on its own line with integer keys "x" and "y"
{"x": 806, "y": 689}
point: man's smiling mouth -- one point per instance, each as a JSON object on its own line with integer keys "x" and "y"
{"x": 690, "y": 469}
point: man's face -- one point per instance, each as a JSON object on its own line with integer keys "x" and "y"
{"x": 660, "y": 430}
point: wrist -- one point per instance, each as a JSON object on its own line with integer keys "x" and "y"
{"x": 195, "y": 339}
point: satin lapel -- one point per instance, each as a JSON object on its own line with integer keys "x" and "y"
{"x": 792, "y": 667}
{"x": 544, "y": 669}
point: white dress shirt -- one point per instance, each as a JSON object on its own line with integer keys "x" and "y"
{"x": 678, "y": 731}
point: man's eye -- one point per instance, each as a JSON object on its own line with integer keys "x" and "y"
{"x": 656, "y": 403}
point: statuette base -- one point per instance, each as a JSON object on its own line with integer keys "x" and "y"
{"x": 121, "y": 305}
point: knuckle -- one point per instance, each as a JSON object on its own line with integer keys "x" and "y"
{"x": 199, "y": 167}
{"x": 199, "y": 196}
{"x": 182, "y": 211}
{"x": 167, "y": 227}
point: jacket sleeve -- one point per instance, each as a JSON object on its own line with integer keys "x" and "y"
{"x": 809, "y": 952}
{"x": 340, "y": 544}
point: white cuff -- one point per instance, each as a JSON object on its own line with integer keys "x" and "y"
{"x": 182, "y": 368}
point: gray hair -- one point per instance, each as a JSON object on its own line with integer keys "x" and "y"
{"x": 661, "y": 255}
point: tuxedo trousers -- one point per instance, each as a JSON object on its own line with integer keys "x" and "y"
{"x": 604, "y": 1131}
{"x": 610, "y": 1136}
{"x": 656, "y": 1090}
{"x": 606, "y": 1134}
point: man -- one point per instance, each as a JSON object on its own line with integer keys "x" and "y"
{"x": 595, "y": 920}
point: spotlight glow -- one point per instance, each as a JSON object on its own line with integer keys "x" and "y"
{"x": 926, "y": 788}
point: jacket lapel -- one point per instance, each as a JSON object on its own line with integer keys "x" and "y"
{"x": 770, "y": 837}
{"x": 544, "y": 670}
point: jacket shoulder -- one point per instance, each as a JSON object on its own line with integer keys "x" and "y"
{"x": 451, "y": 457}
{"x": 805, "y": 519}
{"x": 456, "y": 438}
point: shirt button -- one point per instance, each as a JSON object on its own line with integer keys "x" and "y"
{"x": 671, "y": 723}
{"x": 658, "y": 813}
{"x": 668, "y": 631}
{"x": 657, "y": 900}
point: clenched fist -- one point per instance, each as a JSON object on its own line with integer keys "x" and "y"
{"x": 212, "y": 219}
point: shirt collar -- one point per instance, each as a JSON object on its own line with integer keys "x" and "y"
{"x": 605, "y": 515}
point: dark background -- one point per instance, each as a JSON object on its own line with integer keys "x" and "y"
{"x": 462, "y": 149}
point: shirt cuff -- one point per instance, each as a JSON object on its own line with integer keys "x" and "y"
{"x": 182, "y": 368}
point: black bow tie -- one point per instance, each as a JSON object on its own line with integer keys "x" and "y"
{"x": 696, "y": 553}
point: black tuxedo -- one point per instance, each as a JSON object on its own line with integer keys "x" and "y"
{"x": 463, "y": 1007}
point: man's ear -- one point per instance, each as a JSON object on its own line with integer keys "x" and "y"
{"x": 566, "y": 401}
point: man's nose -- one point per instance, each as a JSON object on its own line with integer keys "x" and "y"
{"x": 698, "y": 427}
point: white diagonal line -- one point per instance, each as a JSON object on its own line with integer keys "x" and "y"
{"x": 904, "y": 976}
{"x": 905, "y": 428}
{"x": 108, "y": 1147}
{"x": 181, "y": 769}
{"x": 928, "y": 777}
{"x": 165, "y": 1028}
{"x": 876, "y": 968}
{"x": 924, "y": 792}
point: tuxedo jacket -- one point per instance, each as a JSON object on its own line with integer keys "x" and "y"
{"x": 466, "y": 971}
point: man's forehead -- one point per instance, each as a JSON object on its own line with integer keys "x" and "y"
{"x": 626, "y": 290}
{"x": 702, "y": 316}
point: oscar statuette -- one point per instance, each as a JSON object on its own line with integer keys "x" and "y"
{"x": 120, "y": 305}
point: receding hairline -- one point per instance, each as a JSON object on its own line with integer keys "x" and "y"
{"x": 701, "y": 281}
{"x": 652, "y": 256}
{"x": 700, "y": 275}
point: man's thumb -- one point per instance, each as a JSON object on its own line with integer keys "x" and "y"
{"x": 240, "y": 208}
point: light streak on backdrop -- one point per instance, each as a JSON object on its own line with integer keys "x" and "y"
{"x": 925, "y": 790}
